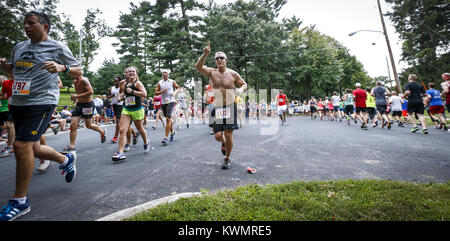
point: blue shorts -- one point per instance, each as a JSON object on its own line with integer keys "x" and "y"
{"x": 108, "y": 112}
{"x": 30, "y": 122}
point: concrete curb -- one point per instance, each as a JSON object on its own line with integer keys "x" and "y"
{"x": 129, "y": 212}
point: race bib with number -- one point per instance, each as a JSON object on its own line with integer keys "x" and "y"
{"x": 21, "y": 87}
{"x": 157, "y": 103}
{"x": 223, "y": 113}
{"x": 87, "y": 111}
{"x": 130, "y": 100}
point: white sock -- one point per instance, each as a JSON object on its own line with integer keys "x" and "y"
{"x": 20, "y": 200}
{"x": 65, "y": 162}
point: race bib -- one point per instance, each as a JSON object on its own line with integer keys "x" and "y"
{"x": 211, "y": 94}
{"x": 223, "y": 113}
{"x": 281, "y": 100}
{"x": 87, "y": 111}
{"x": 21, "y": 87}
{"x": 157, "y": 103}
{"x": 130, "y": 100}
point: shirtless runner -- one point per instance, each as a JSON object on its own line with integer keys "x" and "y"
{"x": 223, "y": 81}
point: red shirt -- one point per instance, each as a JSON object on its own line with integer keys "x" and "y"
{"x": 209, "y": 94}
{"x": 157, "y": 102}
{"x": 448, "y": 94}
{"x": 360, "y": 97}
{"x": 7, "y": 87}
{"x": 281, "y": 99}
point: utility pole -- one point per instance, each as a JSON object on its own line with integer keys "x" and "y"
{"x": 394, "y": 69}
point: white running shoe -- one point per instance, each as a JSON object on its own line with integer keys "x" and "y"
{"x": 43, "y": 166}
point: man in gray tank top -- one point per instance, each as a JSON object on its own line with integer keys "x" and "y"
{"x": 166, "y": 88}
{"x": 380, "y": 93}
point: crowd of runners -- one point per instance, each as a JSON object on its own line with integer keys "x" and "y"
{"x": 30, "y": 95}
{"x": 383, "y": 108}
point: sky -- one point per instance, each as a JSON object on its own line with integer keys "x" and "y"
{"x": 335, "y": 18}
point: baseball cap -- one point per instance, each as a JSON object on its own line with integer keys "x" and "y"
{"x": 358, "y": 85}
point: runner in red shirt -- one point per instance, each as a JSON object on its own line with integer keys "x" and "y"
{"x": 210, "y": 106}
{"x": 360, "y": 97}
{"x": 282, "y": 107}
{"x": 6, "y": 93}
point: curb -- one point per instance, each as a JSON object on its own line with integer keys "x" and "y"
{"x": 129, "y": 212}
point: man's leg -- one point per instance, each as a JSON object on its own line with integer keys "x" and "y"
{"x": 125, "y": 123}
{"x": 73, "y": 130}
{"x": 229, "y": 143}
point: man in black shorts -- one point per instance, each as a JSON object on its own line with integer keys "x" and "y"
{"x": 223, "y": 81}
{"x": 414, "y": 93}
{"x": 35, "y": 65}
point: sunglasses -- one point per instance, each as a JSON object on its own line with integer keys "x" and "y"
{"x": 220, "y": 58}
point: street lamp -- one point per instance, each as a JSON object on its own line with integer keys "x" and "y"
{"x": 394, "y": 69}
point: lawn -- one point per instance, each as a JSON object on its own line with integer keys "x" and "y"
{"x": 343, "y": 200}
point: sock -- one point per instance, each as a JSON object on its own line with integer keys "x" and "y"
{"x": 20, "y": 200}
{"x": 65, "y": 162}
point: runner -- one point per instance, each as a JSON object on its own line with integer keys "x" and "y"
{"x": 321, "y": 108}
{"x": 223, "y": 81}
{"x": 35, "y": 65}
{"x": 166, "y": 88}
{"x": 360, "y": 97}
{"x": 414, "y": 93}
{"x": 348, "y": 102}
{"x": 84, "y": 109}
{"x": 436, "y": 105}
{"x": 282, "y": 106}
{"x": 371, "y": 108}
{"x": 240, "y": 109}
{"x": 396, "y": 106}
{"x": 6, "y": 90}
{"x": 380, "y": 93}
{"x": 312, "y": 106}
{"x": 182, "y": 104}
{"x": 133, "y": 111}
{"x": 446, "y": 90}
{"x": 117, "y": 105}
{"x": 404, "y": 110}
{"x": 158, "y": 111}
{"x": 335, "y": 99}
{"x": 209, "y": 93}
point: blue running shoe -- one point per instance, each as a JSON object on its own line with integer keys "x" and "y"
{"x": 70, "y": 169}
{"x": 14, "y": 210}
{"x": 172, "y": 135}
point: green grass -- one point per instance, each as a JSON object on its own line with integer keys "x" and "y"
{"x": 372, "y": 200}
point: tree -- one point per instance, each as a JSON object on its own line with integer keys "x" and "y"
{"x": 424, "y": 28}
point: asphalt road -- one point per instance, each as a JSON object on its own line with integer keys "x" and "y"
{"x": 301, "y": 150}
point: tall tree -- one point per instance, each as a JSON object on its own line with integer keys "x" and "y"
{"x": 425, "y": 30}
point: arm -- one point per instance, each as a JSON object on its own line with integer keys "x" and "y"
{"x": 53, "y": 67}
{"x": 87, "y": 86}
{"x": 141, "y": 92}
{"x": 158, "y": 90}
{"x": 240, "y": 82}
{"x": 200, "y": 65}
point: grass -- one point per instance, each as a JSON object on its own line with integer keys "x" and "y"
{"x": 344, "y": 200}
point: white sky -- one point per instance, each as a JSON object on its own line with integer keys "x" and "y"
{"x": 336, "y": 18}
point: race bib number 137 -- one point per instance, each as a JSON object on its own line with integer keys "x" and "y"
{"x": 21, "y": 87}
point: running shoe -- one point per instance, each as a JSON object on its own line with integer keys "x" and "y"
{"x": 154, "y": 127}
{"x": 223, "y": 149}
{"x": 226, "y": 163}
{"x": 43, "y": 166}
{"x": 118, "y": 157}
{"x": 425, "y": 131}
{"x": 114, "y": 140}
{"x": 14, "y": 210}
{"x": 211, "y": 132}
{"x": 164, "y": 141}
{"x": 414, "y": 129}
{"x": 70, "y": 169}
{"x": 136, "y": 138}
{"x": 187, "y": 125}
{"x": 127, "y": 148}
{"x": 172, "y": 135}
{"x": 389, "y": 125}
{"x": 68, "y": 150}
{"x": 147, "y": 146}
{"x": 6, "y": 151}
{"x": 103, "y": 136}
